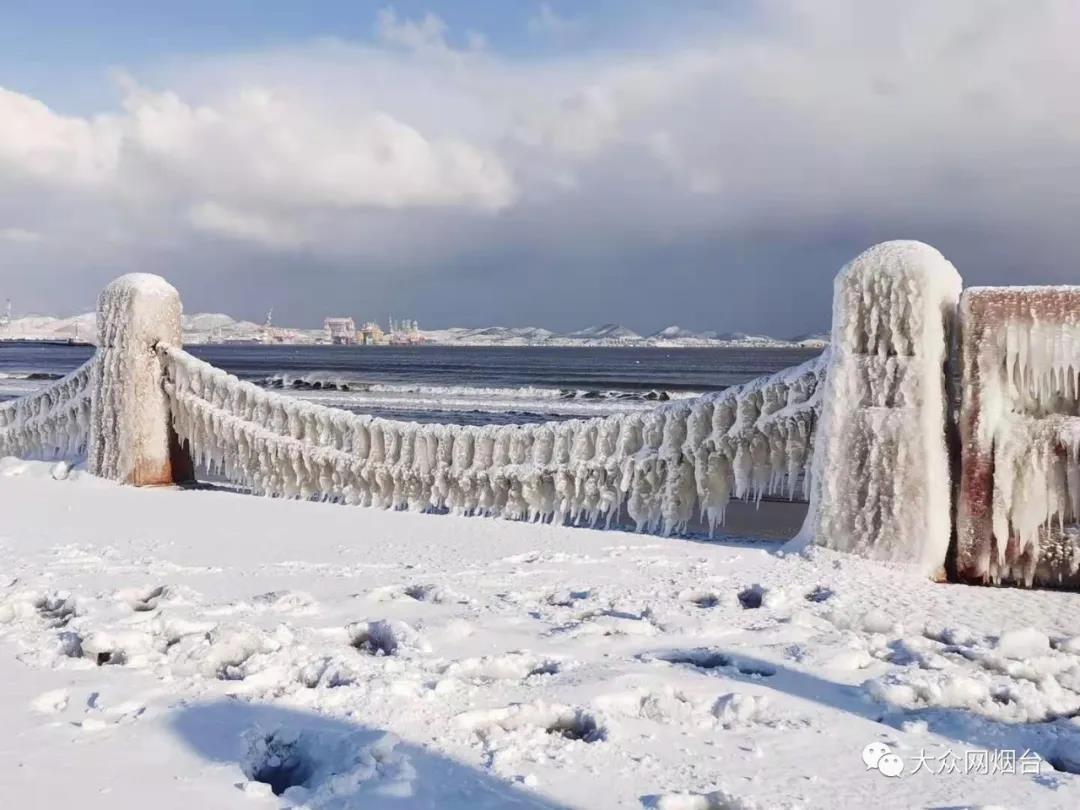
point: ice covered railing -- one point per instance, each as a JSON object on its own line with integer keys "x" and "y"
{"x": 874, "y": 415}
{"x": 662, "y": 468}
{"x": 1019, "y": 503}
{"x": 51, "y": 423}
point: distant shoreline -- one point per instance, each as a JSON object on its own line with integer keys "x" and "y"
{"x": 556, "y": 344}
{"x": 23, "y": 341}
{"x": 219, "y": 329}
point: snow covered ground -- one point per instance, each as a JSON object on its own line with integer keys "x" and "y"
{"x": 178, "y": 649}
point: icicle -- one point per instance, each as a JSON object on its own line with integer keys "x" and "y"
{"x": 660, "y": 465}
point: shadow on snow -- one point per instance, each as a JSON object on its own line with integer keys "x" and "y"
{"x": 332, "y": 764}
{"x": 1056, "y": 741}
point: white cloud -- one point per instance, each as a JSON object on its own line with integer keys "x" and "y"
{"x": 251, "y": 145}
{"x": 230, "y": 223}
{"x": 810, "y": 118}
{"x": 19, "y": 235}
{"x": 426, "y": 35}
{"x": 547, "y": 21}
{"x": 37, "y": 143}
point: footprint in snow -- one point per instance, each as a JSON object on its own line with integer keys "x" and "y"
{"x": 285, "y": 602}
{"x": 52, "y": 702}
{"x": 704, "y": 658}
{"x": 819, "y": 594}
{"x": 141, "y": 600}
{"x": 55, "y": 608}
{"x": 704, "y": 599}
{"x": 566, "y": 722}
{"x": 567, "y": 598}
{"x": 385, "y": 637}
{"x": 510, "y": 666}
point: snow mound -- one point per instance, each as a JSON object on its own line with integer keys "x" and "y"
{"x": 736, "y": 710}
{"x": 1025, "y": 643}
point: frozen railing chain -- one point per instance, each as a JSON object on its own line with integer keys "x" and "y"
{"x": 661, "y": 467}
{"x": 51, "y": 423}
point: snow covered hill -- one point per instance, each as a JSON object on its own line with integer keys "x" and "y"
{"x": 489, "y": 336}
{"x": 210, "y": 649}
{"x": 198, "y": 328}
{"x": 614, "y": 335}
{"x": 220, "y": 328}
{"x": 813, "y": 339}
{"x": 79, "y": 328}
{"x": 607, "y": 331}
{"x": 678, "y": 333}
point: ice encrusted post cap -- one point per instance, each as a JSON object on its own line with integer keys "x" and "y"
{"x": 131, "y": 436}
{"x": 138, "y": 306}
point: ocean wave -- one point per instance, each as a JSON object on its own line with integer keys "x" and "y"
{"x": 316, "y": 382}
{"x": 34, "y": 376}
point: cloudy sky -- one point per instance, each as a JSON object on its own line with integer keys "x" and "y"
{"x": 706, "y": 163}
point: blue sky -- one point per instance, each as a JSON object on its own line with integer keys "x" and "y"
{"x": 62, "y": 50}
{"x": 710, "y": 164}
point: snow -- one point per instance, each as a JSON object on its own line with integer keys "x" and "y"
{"x": 607, "y": 331}
{"x": 211, "y": 647}
{"x": 663, "y": 467}
{"x": 881, "y": 472}
{"x": 199, "y": 328}
{"x": 1025, "y": 643}
{"x": 489, "y": 335}
{"x": 47, "y": 327}
{"x": 611, "y": 334}
{"x": 675, "y": 332}
{"x": 207, "y": 322}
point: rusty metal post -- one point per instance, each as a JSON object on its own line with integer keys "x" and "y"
{"x": 990, "y": 397}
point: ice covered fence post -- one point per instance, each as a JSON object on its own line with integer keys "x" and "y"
{"x": 881, "y": 479}
{"x": 1018, "y": 509}
{"x": 131, "y": 437}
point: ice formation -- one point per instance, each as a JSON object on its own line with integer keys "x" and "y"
{"x": 881, "y": 472}
{"x": 1019, "y": 505}
{"x": 130, "y": 440}
{"x": 863, "y": 430}
{"x": 50, "y": 423}
{"x": 663, "y": 467}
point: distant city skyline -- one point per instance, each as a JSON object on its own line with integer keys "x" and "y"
{"x": 554, "y": 164}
